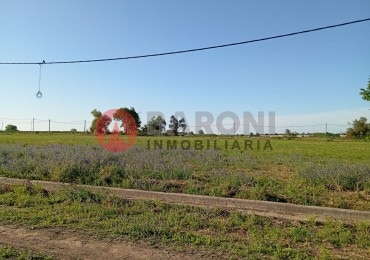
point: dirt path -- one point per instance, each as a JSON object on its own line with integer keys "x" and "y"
{"x": 69, "y": 245}
{"x": 263, "y": 208}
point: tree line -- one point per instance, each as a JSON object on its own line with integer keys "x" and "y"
{"x": 155, "y": 126}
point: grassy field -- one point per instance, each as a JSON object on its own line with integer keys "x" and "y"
{"x": 214, "y": 232}
{"x": 303, "y": 171}
{"x": 336, "y": 149}
{"x": 332, "y": 173}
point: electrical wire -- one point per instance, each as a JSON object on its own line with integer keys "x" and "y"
{"x": 73, "y": 123}
{"x": 339, "y": 124}
{"x": 190, "y": 50}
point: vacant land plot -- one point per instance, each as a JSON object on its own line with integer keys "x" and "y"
{"x": 308, "y": 172}
{"x": 198, "y": 230}
{"x": 312, "y": 172}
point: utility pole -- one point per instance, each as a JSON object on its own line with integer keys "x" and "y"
{"x": 33, "y": 124}
{"x": 49, "y": 125}
{"x": 85, "y": 126}
{"x": 326, "y": 130}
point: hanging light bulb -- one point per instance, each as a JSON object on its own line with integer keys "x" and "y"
{"x": 39, "y": 94}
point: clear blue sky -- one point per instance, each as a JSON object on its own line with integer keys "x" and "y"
{"x": 305, "y": 76}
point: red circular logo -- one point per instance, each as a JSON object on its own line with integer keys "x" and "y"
{"x": 114, "y": 141}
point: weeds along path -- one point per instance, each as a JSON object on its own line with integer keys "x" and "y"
{"x": 72, "y": 246}
{"x": 263, "y": 208}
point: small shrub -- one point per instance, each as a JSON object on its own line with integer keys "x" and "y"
{"x": 82, "y": 195}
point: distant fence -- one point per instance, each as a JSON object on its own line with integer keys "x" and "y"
{"x": 50, "y": 125}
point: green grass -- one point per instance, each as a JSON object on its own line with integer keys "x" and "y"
{"x": 343, "y": 150}
{"x": 46, "y": 138}
{"x": 302, "y": 171}
{"x": 8, "y": 252}
{"x": 212, "y": 231}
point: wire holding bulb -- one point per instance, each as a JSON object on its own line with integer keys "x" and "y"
{"x": 39, "y": 93}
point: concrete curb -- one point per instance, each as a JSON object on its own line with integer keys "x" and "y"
{"x": 264, "y": 208}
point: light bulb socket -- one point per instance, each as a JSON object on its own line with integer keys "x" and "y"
{"x": 39, "y": 94}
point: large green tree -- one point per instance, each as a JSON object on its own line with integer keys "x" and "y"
{"x": 96, "y": 114}
{"x": 156, "y": 126}
{"x": 118, "y": 114}
{"x": 359, "y": 129}
{"x": 100, "y": 123}
{"x": 11, "y": 128}
{"x": 365, "y": 93}
{"x": 175, "y": 124}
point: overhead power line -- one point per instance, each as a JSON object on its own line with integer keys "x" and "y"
{"x": 190, "y": 50}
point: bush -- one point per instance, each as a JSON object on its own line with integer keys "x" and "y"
{"x": 11, "y": 128}
{"x": 360, "y": 129}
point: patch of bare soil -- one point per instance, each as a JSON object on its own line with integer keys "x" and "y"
{"x": 63, "y": 245}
